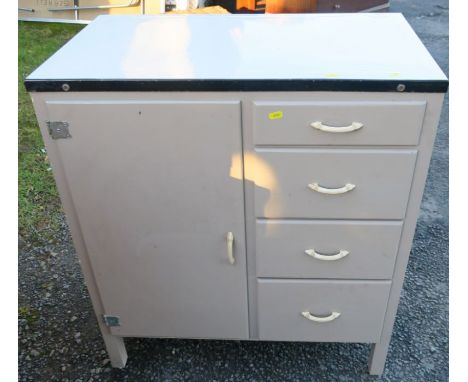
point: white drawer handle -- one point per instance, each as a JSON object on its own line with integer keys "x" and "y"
{"x": 332, "y": 191}
{"x": 319, "y": 256}
{"x": 311, "y": 317}
{"x": 230, "y": 243}
{"x": 337, "y": 129}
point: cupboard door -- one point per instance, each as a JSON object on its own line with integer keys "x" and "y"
{"x": 153, "y": 187}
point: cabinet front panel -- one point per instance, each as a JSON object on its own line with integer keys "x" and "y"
{"x": 338, "y": 123}
{"x": 312, "y": 310}
{"x": 156, "y": 187}
{"x": 335, "y": 184}
{"x": 326, "y": 249}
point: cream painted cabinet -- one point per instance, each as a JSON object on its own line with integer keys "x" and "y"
{"x": 157, "y": 206}
{"x": 242, "y": 192}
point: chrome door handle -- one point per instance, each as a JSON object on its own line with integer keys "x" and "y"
{"x": 337, "y": 129}
{"x": 332, "y": 191}
{"x": 332, "y": 316}
{"x": 311, "y": 252}
{"x": 230, "y": 244}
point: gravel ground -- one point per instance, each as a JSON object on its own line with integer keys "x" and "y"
{"x": 59, "y": 339}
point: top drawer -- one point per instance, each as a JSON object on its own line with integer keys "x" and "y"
{"x": 388, "y": 123}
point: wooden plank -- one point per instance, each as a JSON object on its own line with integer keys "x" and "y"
{"x": 348, "y": 5}
{"x": 324, "y": 6}
{"x": 246, "y": 5}
{"x": 290, "y": 6}
{"x": 34, "y": 9}
{"x": 207, "y": 10}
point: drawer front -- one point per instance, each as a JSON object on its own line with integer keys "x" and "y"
{"x": 326, "y": 249}
{"x": 383, "y": 123}
{"x": 381, "y": 180}
{"x": 361, "y": 306}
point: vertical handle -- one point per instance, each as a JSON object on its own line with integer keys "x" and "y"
{"x": 230, "y": 244}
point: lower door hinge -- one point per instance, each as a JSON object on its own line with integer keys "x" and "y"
{"x": 58, "y": 129}
{"x": 111, "y": 320}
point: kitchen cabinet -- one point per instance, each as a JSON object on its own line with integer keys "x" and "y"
{"x": 242, "y": 177}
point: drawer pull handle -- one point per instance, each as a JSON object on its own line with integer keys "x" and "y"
{"x": 230, "y": 243}
{"x": 332, "y": 191}
{"x": 311, "y": 317}
{"x": 342, "y": 253}
{"x": 337, "y": 129}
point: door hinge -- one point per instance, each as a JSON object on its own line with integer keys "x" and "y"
{"x": 58, "y": 129}
{"x": 111, "y": 320}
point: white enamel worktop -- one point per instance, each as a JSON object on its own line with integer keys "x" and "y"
{"x": 198, "y": 47}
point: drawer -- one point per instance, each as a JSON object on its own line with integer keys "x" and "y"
{"x": 326, "y": 249}
{"x": 382, "y": 180}
{"x": 291, "y": 310}
{"x": 383, "y": 123}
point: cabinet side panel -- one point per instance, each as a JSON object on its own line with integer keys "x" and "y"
{"x": 114, "y": 345}
{"x": 431, "y": 122}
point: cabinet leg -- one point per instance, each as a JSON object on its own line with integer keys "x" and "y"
{"x": 115, "y": 349}
{"x": 377, "y": 357}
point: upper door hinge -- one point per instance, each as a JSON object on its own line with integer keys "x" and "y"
{"x": 111, "y": 320}
{"x": 58, "y": 129}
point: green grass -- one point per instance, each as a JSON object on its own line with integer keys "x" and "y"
{"x": 28, "y": 314}
{"x": 39, "y": 205}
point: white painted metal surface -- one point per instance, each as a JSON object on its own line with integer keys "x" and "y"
{"x": 320, "y": 46}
